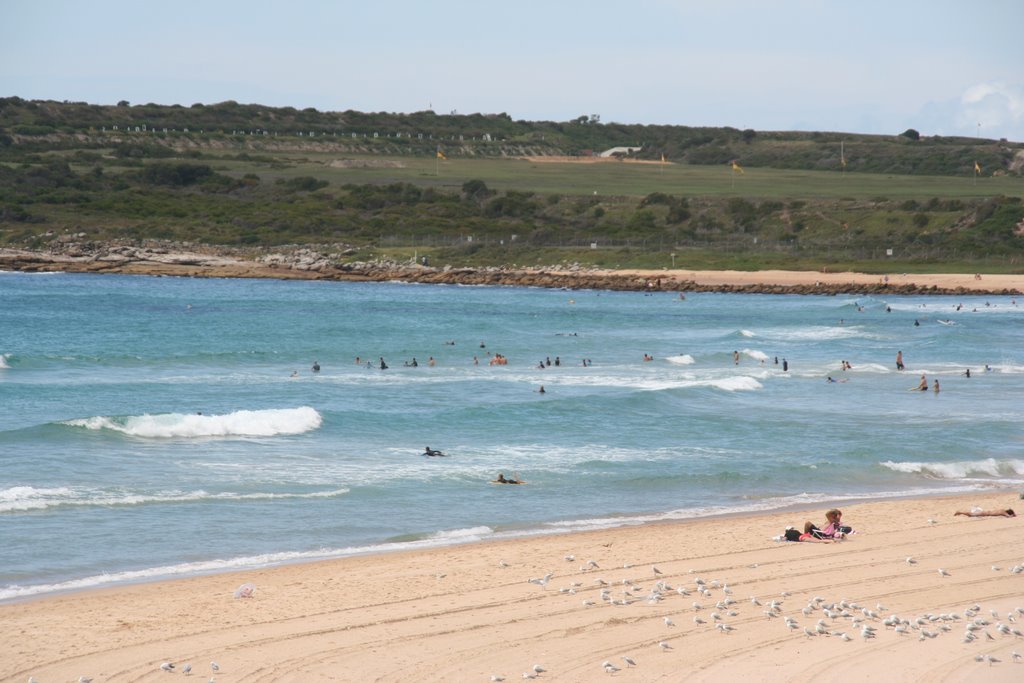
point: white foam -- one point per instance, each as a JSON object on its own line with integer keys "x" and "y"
{"x": 26, "y": 498}
{"x": 775, "y": 503}
{"x": 3, "y": 360}
{"x": 815, "y": 333}
{"x": 239, "y": 423}
{"x": 738, "y": 383}
{"x": 747, "y": 333}
{"x": 456, "y": 535}
{"x": 683, "y": 359}
{"x": 755, "y": 354}
{"x": 969, "y": 469}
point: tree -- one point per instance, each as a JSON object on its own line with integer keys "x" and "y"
{"x": 123, "y": 103}
{"x": 911, "y": 134}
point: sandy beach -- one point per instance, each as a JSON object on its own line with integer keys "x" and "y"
{"x": 304, "y": 264}
{"x": 470, "y": 612}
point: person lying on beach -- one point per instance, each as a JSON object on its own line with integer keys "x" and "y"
{"x": 986, "y": 513}
{"x": 810, "y": 535}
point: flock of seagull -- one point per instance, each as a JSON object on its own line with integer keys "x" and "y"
{"x": 842, "y": 619}
{"x": 838, "y": 619}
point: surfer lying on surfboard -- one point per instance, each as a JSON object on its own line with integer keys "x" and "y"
{"x": 502, "y": 480}
{"x": 428, "y": 451}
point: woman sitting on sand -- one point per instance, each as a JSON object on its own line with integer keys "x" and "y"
{"x": 834, "y": 528}
{"x": 976, "y": 512}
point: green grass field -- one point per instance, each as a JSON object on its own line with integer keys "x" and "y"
{"x": 631, "y": 179}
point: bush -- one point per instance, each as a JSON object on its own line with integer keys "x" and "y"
{"x": 305, "y": 183}
{"x": 175, "y": 175}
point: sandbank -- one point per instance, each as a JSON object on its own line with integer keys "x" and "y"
{"x": 469, "y": 612}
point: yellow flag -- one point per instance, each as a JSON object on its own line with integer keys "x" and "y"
{"x": 737, "y": 168}
{"x": 977, "y": 168}
{"x": 440, "y": 155}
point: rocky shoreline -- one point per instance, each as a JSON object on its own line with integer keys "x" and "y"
{"x": 181, "y": 260}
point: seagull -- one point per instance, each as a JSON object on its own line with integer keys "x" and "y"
{"x": 503, "y": 564}
{"x": 664, "y": 645}
{"x": 911, "y": 560}
{"x": 669, "y": 622}
{"x": 588, "y": 603}
{"x": 809, "y": 633}
{"x": 932, "y": 521}
{"x": 84, "y": 679}
{"x": 187, "y": 669}
{"x": 495, "y": 678}
{"x": 537, "y": 668}
{"x": 992, "y": 660}
{"x": 755, "y": 601}
{"x": 168, "y": 667}
{"x": 655, "y": 569}
{"x": 592, "y": 564}
{"x": 725, "y": 628}
{"x": 943, "y": 572}
{"x": 698, "y": 620}
{"x": 570, "y": 558}
{"x": 529, "y": 675}
{"x": 214, "y": 666}
{"x": 1016, "y": 656}
{"x": 543, "y": 581}
{"x": 628, "y": 661}
{"x": 610, "y": 668}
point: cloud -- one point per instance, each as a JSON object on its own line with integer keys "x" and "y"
{"x": 997, "y": 106}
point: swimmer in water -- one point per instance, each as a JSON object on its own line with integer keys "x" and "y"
{"x": 430, "y": 452}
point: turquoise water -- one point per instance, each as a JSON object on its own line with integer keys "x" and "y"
{"x": 108, "y": 471}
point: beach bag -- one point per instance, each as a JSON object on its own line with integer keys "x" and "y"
{"x": 792, "y": 535}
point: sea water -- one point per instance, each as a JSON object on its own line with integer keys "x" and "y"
{"x": 154, "y": 427}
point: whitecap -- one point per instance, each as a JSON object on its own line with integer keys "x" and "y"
{"x": 682, "y": 359}
{"x": 755, "y": 354}
{"x": 3, "y": 360}
{"x": 28, "y": 498}
{"x": 239, "y": 423}
{"x": 964, "y": 469}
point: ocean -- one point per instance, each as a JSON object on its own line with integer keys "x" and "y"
{"x": 157, "y": 427}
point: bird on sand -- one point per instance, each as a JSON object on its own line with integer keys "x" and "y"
{"x": 669, "y": 622}
{"x": 168, "y": 667}
{"x": 187, "y": 669}
{"x": 911, "y": 560}
{"x": 214, "y": 666}
{"x": 628, "y": 661}
{"x": 84, "y": 679}
{"x": 943, "y": 572}
{"x": 543, "y": 581}
{"x": 538, "y": 669}
{"x": 664, "y": 645}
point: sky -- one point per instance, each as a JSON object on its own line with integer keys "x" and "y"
{"x": 942, "y": 67}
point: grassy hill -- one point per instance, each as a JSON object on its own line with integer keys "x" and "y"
{"x": 248, "y": 176}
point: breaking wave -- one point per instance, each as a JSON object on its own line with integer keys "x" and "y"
{"x": 179, "y": 425}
